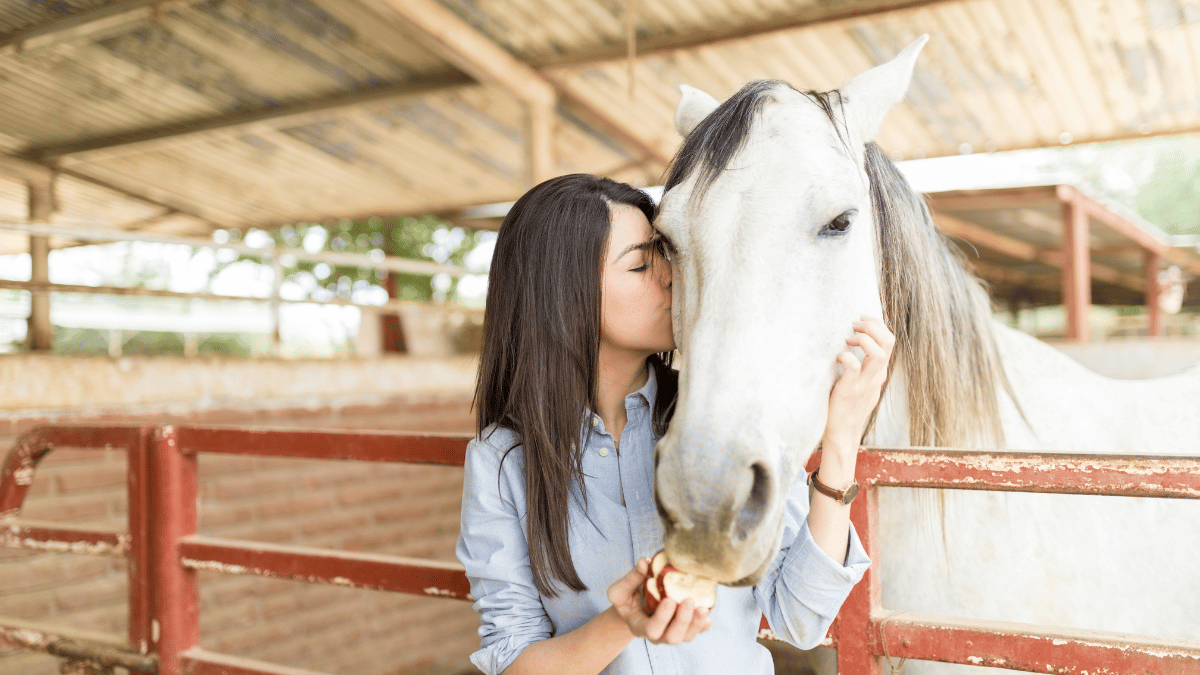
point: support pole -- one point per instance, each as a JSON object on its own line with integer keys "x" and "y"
{"x": 391, "y": 325}
{"x": 855, "y": 642}
{"x": 1076, "y": 270}
{"x": 276, "y": 318}
{"x": 176, "y": 600}
{"x": 40, "y": 335}
{"x": 1154, "y": 311}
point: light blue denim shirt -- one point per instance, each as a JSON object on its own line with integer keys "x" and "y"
{"x": 800, "y": 594}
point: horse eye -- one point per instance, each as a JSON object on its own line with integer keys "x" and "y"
{"x": 840, "y": 224}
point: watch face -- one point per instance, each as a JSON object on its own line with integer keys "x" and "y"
{"x": 851, "y": 492}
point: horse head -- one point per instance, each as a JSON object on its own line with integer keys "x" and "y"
{"x": 768, "y": 214}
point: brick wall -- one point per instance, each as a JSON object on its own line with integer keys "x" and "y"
{"x": 393, "y": 509}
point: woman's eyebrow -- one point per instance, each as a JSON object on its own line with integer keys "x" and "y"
{"x": 644, "y": 246}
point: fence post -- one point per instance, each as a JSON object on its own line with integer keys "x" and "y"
{"x": 854, "y": 647}
{"x": 175, "y": 595}
{"x": 138, "y": 487}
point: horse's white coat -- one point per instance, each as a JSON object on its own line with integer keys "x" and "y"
{"x": 762, "y": 304}
{"x": 758, "y": 251}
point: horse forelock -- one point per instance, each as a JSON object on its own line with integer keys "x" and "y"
{"x": 941, "y": 317}
{"x": 710, "y": 146}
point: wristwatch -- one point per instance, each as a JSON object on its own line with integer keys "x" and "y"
{"x": 842, "y": 496}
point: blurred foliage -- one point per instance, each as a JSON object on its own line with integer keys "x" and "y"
{"x": 425, "y": 238}
{"x": 1157, "y": 177}
{"x": 1170, "y": 198}
{"x": 80, "y": 341}
{"x": 227, "y": 344}
{"x": 92, "y": 341}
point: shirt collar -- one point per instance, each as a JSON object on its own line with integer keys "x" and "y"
{"x": 647, "y": 392}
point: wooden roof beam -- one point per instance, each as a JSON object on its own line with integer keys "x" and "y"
{"x": 1146, "y": 240}
{"x": 42, "y": 177}
{"x": 294, "y": 113}
{"x": 25, "y": 171}
{"x": 811, "y": 14}
{"x": 1020, "y": 250}
{"x": 451, "y": 38}
{"x": 83, "y": 24}
{"x": 1120, "y": 225}
{"x": 444, "y": 33}
{"x": 988, "y": 199}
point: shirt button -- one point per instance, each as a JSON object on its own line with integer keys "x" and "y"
{"x": 604, "y": 452}
{"x": 595, "y": 421}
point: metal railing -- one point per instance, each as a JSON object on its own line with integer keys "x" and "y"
{"x": 165, "y": 552}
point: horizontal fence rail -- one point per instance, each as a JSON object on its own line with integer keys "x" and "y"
{"x": 165, "y": 551}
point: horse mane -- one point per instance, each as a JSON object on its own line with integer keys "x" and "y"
{"x": 940, "y": 314}
{"x": 941, "y": 317}
{"x": 719, "y": 136}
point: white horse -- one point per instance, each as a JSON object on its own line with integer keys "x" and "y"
{"x": 788, "y": 223}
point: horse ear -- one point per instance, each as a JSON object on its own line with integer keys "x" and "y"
{"x": 871, "y": 94}
{"x": 694, "y": 106}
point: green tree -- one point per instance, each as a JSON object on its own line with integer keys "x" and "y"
{"x": 1170, "y": 197}
{"x": 424, "y": 238}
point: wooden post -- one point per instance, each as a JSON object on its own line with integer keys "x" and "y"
{"x": 276, "y": 284}
{"x": 40, "y": 334}
{"x": 391, "y": 327}
{"x": 175, "y": 602}
{"x": 541, "y": 141}
{"x": 856, "y": 643}
{"x": 1076, "y": 270}
{"x": 1153, "y": 291}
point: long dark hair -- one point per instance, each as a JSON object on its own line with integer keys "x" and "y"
{"x": 537, "y": 372}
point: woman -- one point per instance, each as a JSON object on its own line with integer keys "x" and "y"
{"x": 574, "y": 389}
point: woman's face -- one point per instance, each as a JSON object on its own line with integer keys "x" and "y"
{"x": 635, "y": 315}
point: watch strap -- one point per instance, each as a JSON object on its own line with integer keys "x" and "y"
{"x": 841, "y": 496}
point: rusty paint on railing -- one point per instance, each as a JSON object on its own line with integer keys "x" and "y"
{"x": 79, "y": 647}
{"x": 314, "y": 565}
{"x": 1125, "y": 475}
{"x": 17, "y": 473}
{"x": 368, "y": 446}
{"x": 1015, "y": 646}
{"x": 58, "y": 538}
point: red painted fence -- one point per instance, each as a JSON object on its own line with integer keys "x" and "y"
{"x": 164, "y": 550}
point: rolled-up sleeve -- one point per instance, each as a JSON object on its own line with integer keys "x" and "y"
{"x": 492, "y": 548}
{"x": 804, "y": 588}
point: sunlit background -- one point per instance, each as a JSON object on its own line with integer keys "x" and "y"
{"x": 1157, "y": 179}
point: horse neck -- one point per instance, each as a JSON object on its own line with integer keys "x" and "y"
{"x": 891, "y": 424}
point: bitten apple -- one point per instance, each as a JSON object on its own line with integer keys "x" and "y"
{"x": 668, "y": 581}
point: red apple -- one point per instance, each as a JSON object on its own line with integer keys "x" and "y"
{"x": 668, "y": 581}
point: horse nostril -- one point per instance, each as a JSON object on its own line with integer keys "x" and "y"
{"x": 752, "y": 512}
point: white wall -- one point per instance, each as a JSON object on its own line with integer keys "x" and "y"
{"x": 1135, "y": 358}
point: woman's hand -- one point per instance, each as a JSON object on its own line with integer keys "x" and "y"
{"x": 857, "y": 391}
{"x": 672, "y": 623}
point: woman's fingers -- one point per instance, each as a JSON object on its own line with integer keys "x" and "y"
{"x": 850, "y": 362}
{"x": 625, "y": 589}
{"x": 677, "y": 630}
{"x": 657, "y": 625}
{"x": 878, "y": 330}
{"x": 700, "y": 623}
{"x": 686, "y": 622}
{"x": 671, "y": 623}
{"x": 875, "y": 359}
